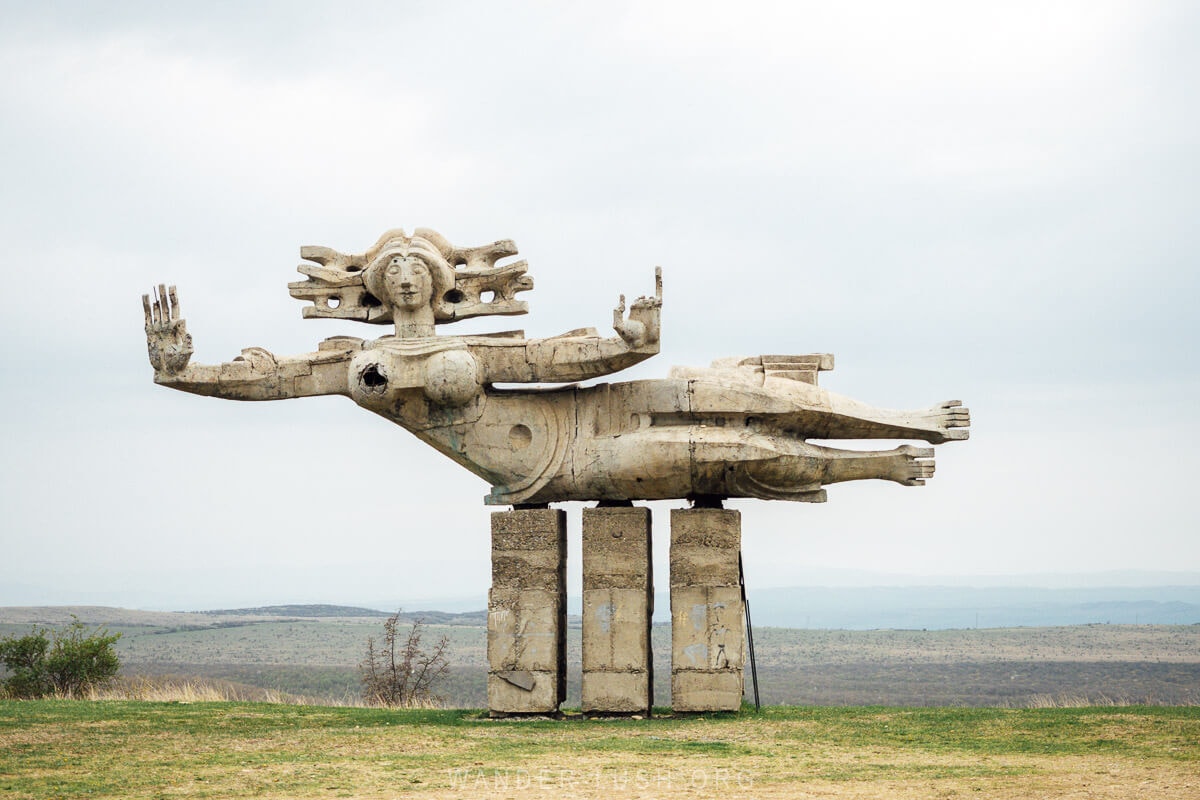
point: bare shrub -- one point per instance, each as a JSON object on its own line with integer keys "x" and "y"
{"x": 400, "y": 673}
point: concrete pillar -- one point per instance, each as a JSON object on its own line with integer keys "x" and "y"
{"x": 707, "y": 617}
{"x": 618, "y": 600}
{"x": 527, "y": 612}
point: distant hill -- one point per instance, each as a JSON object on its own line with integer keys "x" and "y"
{"x": 302, "y": 611}
{"x": 319, "y": 611}
{"x": 813, "y": 606}
{"x": 947, "y": 607}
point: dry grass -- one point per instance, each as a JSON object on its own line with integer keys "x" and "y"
{"x": 171, "y": 689}
{"x": 160, "y": 689}
{"x": 1067, "y": 700}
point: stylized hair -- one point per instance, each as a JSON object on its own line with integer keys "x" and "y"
{"x": 350, "y": 286}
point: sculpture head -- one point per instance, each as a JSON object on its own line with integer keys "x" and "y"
{"x": 415, "y": 281}
{"x": 412, "y": 278}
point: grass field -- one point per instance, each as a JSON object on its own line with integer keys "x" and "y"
{"x": 75, "y": 749}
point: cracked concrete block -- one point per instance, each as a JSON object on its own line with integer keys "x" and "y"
{"x": 616, "y": 547}
{"x": 706, "y": 690}
{"x": 528, "y": 529}
{"x": 509, "y": 697}
{"x": 616, "y": 625}
{"x": 527, "y": 621}
{"x": 701, "y": 542}
{"x": 616, "y": 693}
{"x": 523, "y": 629}
{"x": 618, "y": 600}
{"x": 707, "y": 627}
{"x": 707, "y": 613}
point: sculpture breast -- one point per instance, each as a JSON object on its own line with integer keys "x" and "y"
{"x": 452, "y": 378}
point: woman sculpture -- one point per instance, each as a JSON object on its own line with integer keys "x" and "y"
{"x": 736, "y": 429}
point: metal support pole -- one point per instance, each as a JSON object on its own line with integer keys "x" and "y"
{"x": 749, "y": 632}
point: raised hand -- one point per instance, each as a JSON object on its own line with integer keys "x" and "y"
{"x": 167, "y": 339}
{"x": 643, "y": 326}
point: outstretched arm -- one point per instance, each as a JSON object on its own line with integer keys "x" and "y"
{"x": 581, "y": 355}
{"x": 254, "y": 375}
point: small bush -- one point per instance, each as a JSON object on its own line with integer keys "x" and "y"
{"x": 401, "y": 673}
{"x": 65, "y": 663}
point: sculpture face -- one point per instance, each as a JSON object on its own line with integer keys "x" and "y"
{"x": 408, "y": 282}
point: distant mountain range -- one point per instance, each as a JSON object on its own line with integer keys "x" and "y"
{"x": 949, "y": 607}
{"x": 829, "y": 599}
{"x": 879, "y": 607}
{"x": 944, "y": 607}
{"x": 321, "y": 611}
{"x": 838, "y": 607}
{"x": 297, "y": 610}
{"x": 865, "y": 601}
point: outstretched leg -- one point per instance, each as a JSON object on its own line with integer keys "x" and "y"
{"x": 800, "y": 475}
{"x": 945, "y": 422}
{"x": 804, "y": 411}
{"x": 906, "y": 464}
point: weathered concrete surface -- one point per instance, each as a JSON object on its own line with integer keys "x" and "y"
{"x": 527, "y": 615}
{"x": 707, "y": 616}
{"x": 618, "y": 601}
{"x": 738, "y": 428}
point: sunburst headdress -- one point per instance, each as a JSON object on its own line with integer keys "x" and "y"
{"x": 466, "y": 281}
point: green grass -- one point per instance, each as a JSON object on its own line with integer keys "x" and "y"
{"x": 1136, "y": 732}
{"x": 149, "y": 750}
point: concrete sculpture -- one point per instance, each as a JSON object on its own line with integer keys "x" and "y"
{"x": 739, "y": 428}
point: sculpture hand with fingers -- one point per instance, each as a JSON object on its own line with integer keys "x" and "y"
{"x": 643, "y": 325}
{"x": 167, "y": 339}
{"x": 739, "y": 428}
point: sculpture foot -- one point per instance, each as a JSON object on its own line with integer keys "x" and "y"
{"x": 912, "y": 465}
{"x": 949, "y": 422}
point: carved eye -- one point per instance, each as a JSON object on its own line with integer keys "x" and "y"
{"x": 420, "y": 269}
{"x": 394, "y": 269}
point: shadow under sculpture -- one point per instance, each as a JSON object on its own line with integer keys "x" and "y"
{"x": 738, "y": 428}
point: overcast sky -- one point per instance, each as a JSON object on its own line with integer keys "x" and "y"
{"x": 994, "y": 202}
